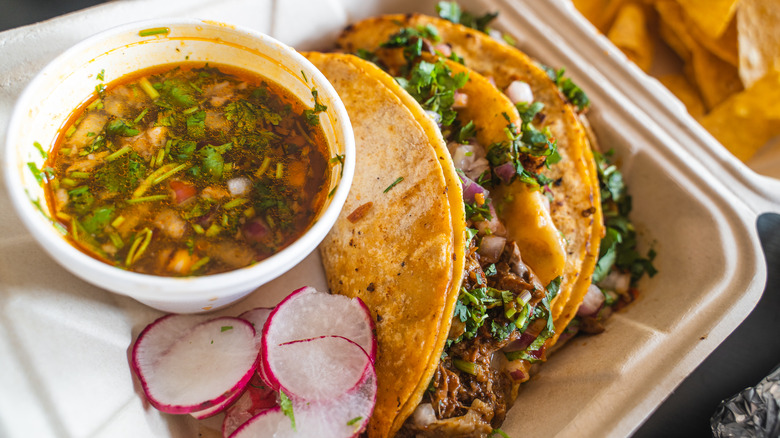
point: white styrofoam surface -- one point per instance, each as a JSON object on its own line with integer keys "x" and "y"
{"x": 64, "y": 343}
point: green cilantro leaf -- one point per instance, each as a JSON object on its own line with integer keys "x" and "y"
{"x": 119, "y": 127}
{"x": 287, "y": 408}
{"x": 574, "y": 94}
{"x": 452, "y": 12}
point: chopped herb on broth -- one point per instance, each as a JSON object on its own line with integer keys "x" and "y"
{"x": 189, "y": 170}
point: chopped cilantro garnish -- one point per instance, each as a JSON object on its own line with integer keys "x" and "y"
{"x": 394, "y": 183}
{"x": 122, "y": 174}
{"x": 353, "y": 421}
{"x": 119, "y": 127}
{"x": 367, "y": 55}
{"x": 618, "y": 247}
{"x": 434, "y": 86}
{"x": 287, "y": 408}
{"x": 311, "y": 114}
{"x": 470, "y": 233}
{"x": 36, "y": 172}
{"x": 225, "y": 328}
{"x": 499, "y": 432}
{"x": 411, "y": 39}
{"x": 153, "y": 31}
{"x": 212, "y": 162}
{"x": 38, "y": 146}
{"x": 467, "y": 132}
{"x": 570, "y": 90}
{"x": 452, "y": 11}
{"x": 196, "y": 124}
{"x": 101, "y": 76}
{"x": 97, "y": 220}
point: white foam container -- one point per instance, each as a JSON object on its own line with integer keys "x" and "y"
{"x": 64, "y": 343}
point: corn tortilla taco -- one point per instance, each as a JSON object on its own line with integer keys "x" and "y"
{"x": 575, "y": 204}
{"x": 399, "y": 243}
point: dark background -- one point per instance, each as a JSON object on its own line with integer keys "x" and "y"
{"x": 743, "y": 359}
{"x": 17, "y": 13}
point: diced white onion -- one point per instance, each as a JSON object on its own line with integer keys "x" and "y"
{"x": 497, "y": 35}
{"x": 424, "y": 415}
{"x": 616, "y": 281}
{"x": 239, "y": 186}
{"x": 491, "y": 247}
{"x": 519, "y": 91}
{"x": 434, "y": 115}
{"x": 470, "y": 158}
{"x": 592, "y": 302}
{"x": 460, "y": 100}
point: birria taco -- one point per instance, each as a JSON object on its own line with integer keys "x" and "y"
{"x": 473, "y": 223}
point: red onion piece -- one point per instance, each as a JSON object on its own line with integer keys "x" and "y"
{"x": 521, "y": 343}
{"x": 255, "y": 230}
{"x": 518, "y": 375}
{"x": 491, "y": 247}
{"x": 470, "y": 189}
{"x": 182, "y": 191}
{"x": 505, "y": 172}
{"x": 444, "y": 49}
{"x": 592, "y": 303}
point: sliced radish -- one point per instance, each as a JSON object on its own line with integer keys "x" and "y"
{"x": 256, "y": 399}
{"x": 219, "y": 354}
{"x": 307, "y": 314}
{"x": 257, "y": 317}
{"x": 316, "y": 369}
{"x": 344, "y": 416}
{"x": 265, "y": 424}
{"x": 219, "y": 407}
{"x": 164, "y": 332}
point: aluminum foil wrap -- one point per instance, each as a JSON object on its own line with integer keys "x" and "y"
{"x": 754, "y": 412}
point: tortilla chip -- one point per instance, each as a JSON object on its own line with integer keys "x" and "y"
{"x": 630, "y": 34}
{"x": 716, "y": 78}
{"x": 758, "y": 25}
{"x": 682, "y": 34}
{"x": 599, "y": 12}
{"x": 673, "y": 29}
{"x": 724, "y": 47}
{"x": 686, "y": 92}
{"x": 747, "y": 120}
{"x": 711, "y": 16}
{"x": 404, "y": 257}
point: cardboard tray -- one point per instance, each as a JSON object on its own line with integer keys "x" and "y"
{"x": 64, "y": 344}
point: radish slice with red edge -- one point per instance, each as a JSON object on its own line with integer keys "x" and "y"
{"x": 343, "y": 416}
{"x": 321, "y": 368}
{"x": 257, "y": 317}
{"x": 256, "y": 399}
{"x": 220, "y": 354}
{"x": 219, "y": 407}
{"x": 307, "y": 314}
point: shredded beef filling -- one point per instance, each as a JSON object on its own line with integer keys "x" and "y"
{"x": 454, "y": 392}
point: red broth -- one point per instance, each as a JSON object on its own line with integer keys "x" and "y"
{"x": 188, "y": 170}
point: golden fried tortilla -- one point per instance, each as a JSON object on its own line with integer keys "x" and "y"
{"x": 400, "y": 248}
{"x": 576, "y": 207}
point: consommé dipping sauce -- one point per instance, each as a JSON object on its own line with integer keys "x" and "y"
{"x": 188, "y": 170}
